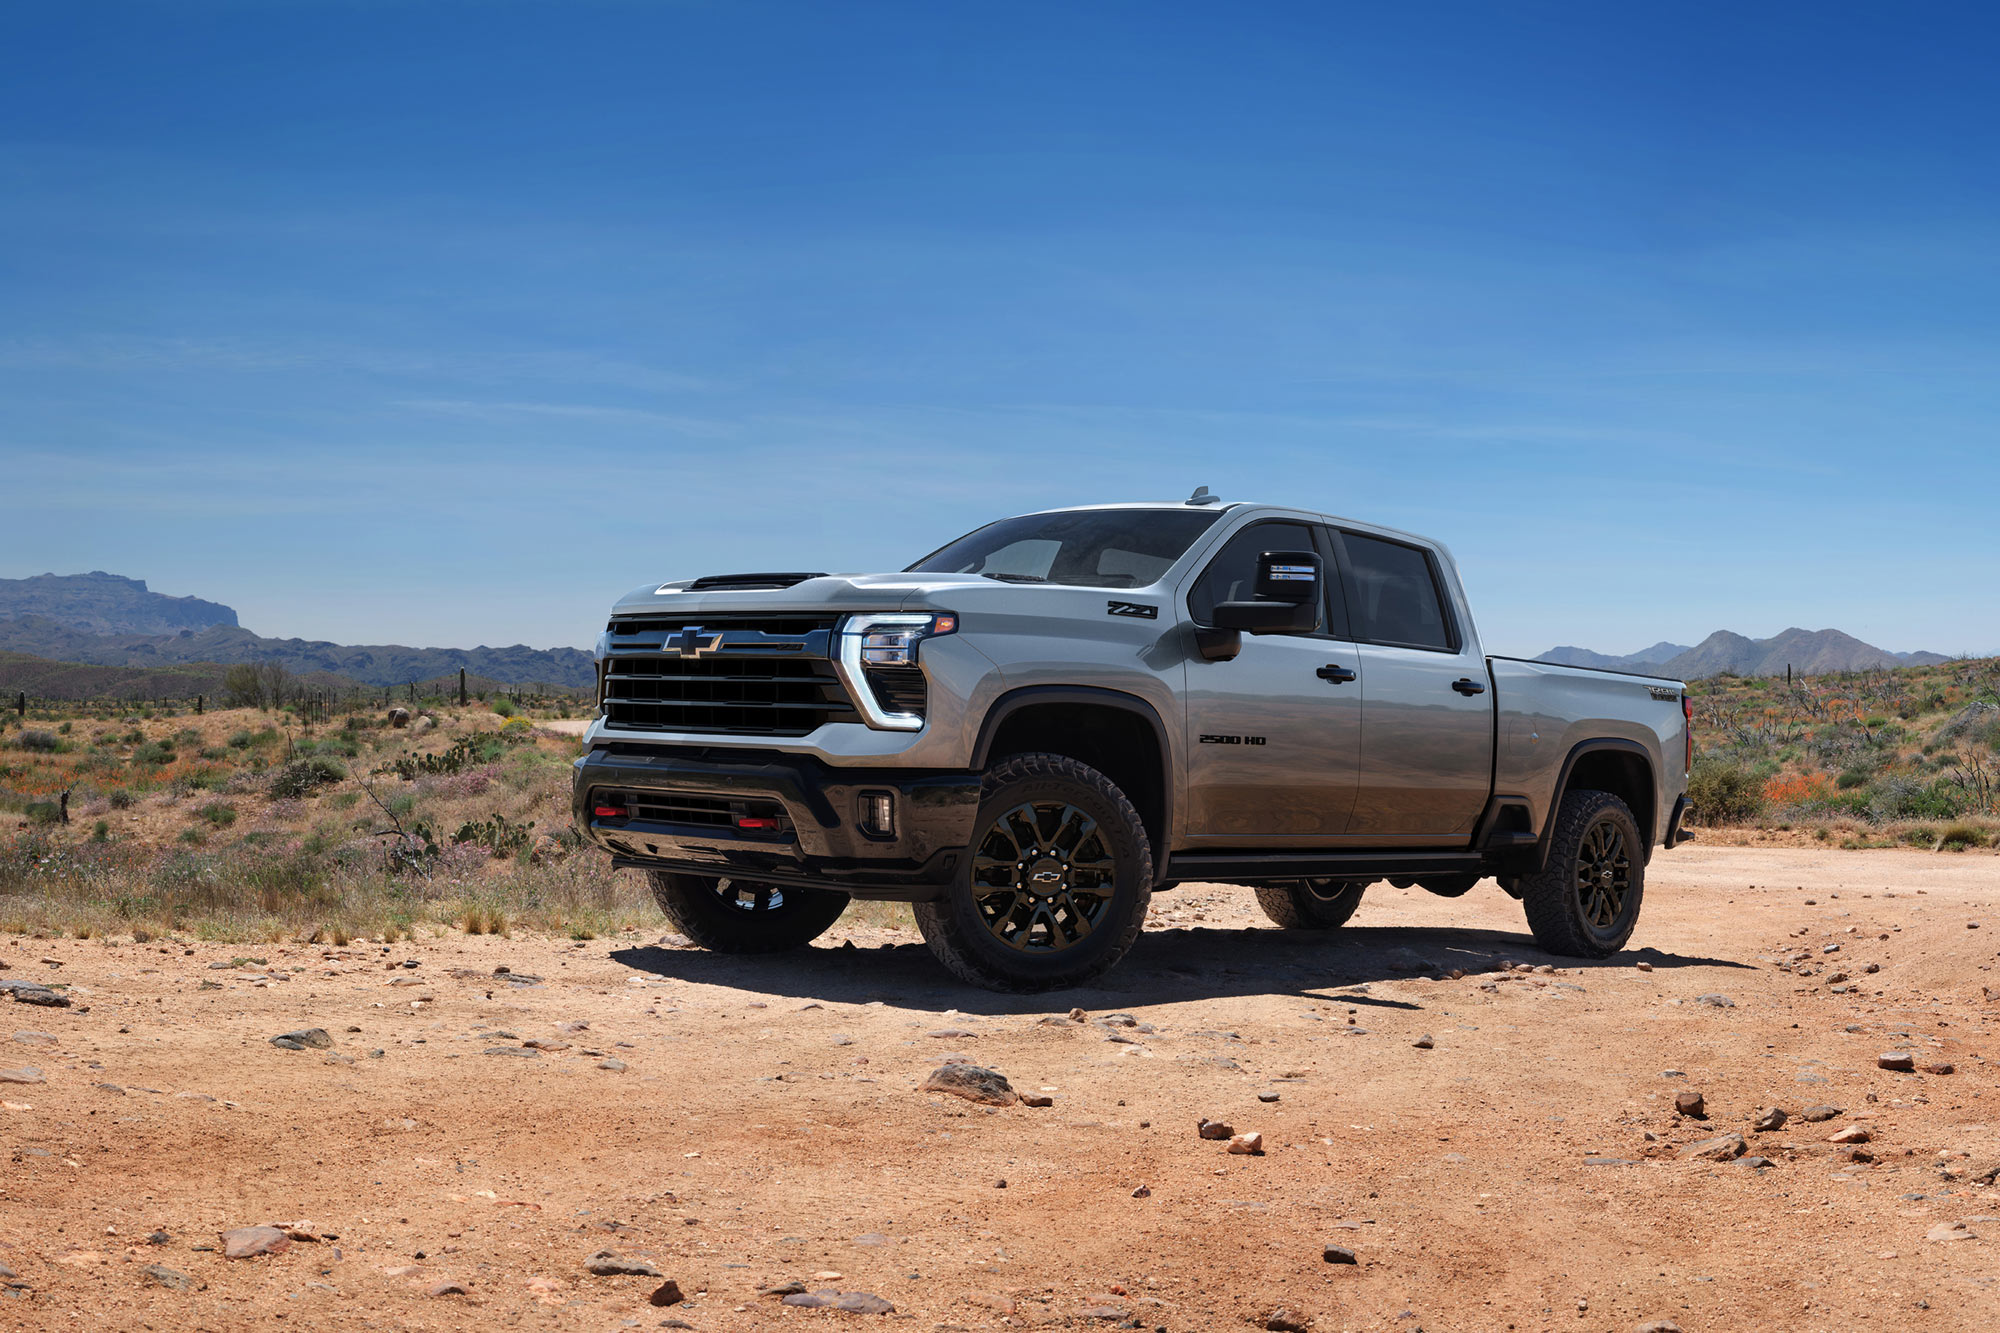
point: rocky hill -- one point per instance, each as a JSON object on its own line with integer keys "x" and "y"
{"x": 101, "y": 603}
{"x": 1806, "y": 652}
{"x": 106, "y": 620}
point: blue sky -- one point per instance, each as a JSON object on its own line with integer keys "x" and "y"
{"x": 444, "y": 323}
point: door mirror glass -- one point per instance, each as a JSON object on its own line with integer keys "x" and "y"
{"x": 1288, "y": 596}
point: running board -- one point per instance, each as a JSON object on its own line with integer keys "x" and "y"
{"x": 1237, "y": 867}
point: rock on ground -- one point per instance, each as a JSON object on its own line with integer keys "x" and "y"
{"x": 987, "y": 1086}
{"x": 249, "y": 1242}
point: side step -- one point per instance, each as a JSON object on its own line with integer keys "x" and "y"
{"x": 1235, "y": 868}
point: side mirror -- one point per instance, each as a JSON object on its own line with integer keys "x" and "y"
{"x": 1288, "y": 596}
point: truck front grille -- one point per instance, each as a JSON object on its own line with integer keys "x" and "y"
{"x": 723, "y": 674}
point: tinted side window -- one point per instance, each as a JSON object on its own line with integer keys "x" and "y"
{"x": 1396, "y": 596}
{"x": 1231, "y": 575}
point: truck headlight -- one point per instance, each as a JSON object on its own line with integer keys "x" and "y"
{"x": 878, "y": 663}
{"x": 891, "y": 640}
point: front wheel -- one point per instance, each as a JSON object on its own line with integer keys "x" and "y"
{"x": 742, "y": 915}
{"x": 1585, "y": 901}
{"x": 1311, "y": 904}
{"x": 1054, "y": 888}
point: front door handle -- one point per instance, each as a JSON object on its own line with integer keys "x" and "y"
{"x": 1467, "y": 686}
{"x": 1339, "y": 675}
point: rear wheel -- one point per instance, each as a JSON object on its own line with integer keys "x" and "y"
{"x": 745, "y": 915}
{"x": 1311, "y": 904}
{"x": 1585, "y": 901}
{"x": 1056, "y": 886}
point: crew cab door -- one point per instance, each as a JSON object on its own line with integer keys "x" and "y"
{"x": 1274, "y": 735}
{"x": 1427, "y": 743}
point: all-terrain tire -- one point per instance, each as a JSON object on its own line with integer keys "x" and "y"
{"x": 744, "y": 916}
{"x": 998, "y": 925}
{"x": 1311, "y": 904}
{"x": 1585, "y": 902}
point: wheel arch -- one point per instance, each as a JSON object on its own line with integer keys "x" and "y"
{"x": 1621, "y": 767}
{"x": 1120, "y": 735}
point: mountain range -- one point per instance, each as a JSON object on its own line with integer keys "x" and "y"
{"x": 1807, "y": 652}
{"x": 107, "y": 620}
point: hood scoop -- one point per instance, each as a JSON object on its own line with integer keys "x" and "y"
{"x": 738, "y": 582}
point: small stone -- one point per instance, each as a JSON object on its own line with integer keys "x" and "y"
{"x": 1715, "y": 1001}
{"x": 1214, "y": 1129}
{"x": 1722, "y": 1148}
{"x": 805, "y": 1300}
{"x": 1951, "y": 1231}
{"x": 1657, "y": 1326}
{"x": 171, "y": 1278}
{"x": 1036, "y": 1099}
{"x": 1247, "y": 1145}
{"x": 545, "y": 1044}
{"x": 616, "y": 1066}
{"x": 974, "y": 1083}
{"x": 951, "y": 1033}
{"x": 1758, "y": 1163}
{"x": 520, "y": 1051}
{"x": 792, "y": 1288}
{"x": 316, "y": 1038}
{"x": 22, "y": 1075}
{"x": 1900, "y": 1061}
{"x": 1078, "y": 1016}
{"x": 249, "y": 1242}
{"x": 1770, "y": 1120}
{"x": 1424, "y": 1043}
{"x": 862, "y": 1302}
{"x": 35, "y": 1038}
{"x": 1339, "y": 1254}
{"x": 667, "y": 1293}
{"x": 1690, "y": 1104}
{"x": 447, "y": 1288}
{"x": 1143, "y": 1192}
{"x": 1939, "y": 1067}
{"x": 1852, "y": 1134}
{"x": 1815, "y": 1114}
{"x": 1643, "y": 965}
{"x": 1282, "y": 1320}
{"x": 607, "y": 1264}
{"x": 1267, "y": 1096}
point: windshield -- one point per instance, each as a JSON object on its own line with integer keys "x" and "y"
{"x": 1092, "y": 548}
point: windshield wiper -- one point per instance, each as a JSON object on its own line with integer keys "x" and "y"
{"x": 1015, "y": 578}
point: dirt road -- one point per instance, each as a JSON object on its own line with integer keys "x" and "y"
{"x": 743, "y": 1124}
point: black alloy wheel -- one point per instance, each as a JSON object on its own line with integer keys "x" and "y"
{"x": 745, "y": 915}
{"x": 1042, "y": 876}
{"x": 1584, "y": 902}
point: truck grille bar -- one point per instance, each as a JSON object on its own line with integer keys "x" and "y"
{"x": 738, "y": 675}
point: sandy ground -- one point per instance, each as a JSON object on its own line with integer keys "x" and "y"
{"x": 768, "y": 1124}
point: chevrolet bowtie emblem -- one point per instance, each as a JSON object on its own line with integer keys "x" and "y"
{"x": 692, "y": 642}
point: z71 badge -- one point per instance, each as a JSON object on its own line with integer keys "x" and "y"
{"x": 1139, "y": 609}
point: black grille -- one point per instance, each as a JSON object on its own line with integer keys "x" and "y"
{"x": 898, "y": 689}
{"x": 747, "y": 675}
{"x": 660, "y": 807}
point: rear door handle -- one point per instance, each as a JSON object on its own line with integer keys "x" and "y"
{"x": 1467, "y": 686}
{"x": 1339, "y": 675}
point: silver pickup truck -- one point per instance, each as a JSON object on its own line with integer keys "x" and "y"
{"x": 1031, "y": 730}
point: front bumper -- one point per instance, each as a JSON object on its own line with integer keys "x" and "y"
{"x": 823, "y": 841}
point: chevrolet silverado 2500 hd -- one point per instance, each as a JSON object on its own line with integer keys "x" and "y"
{"x": 1031, "y": 730}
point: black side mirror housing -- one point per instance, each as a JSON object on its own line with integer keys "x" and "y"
{"x": 1288, "y": 596}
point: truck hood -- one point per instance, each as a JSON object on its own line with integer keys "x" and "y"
{"x": 825, "y": 592}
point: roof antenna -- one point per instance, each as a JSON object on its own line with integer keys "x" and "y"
{"x": 1202, "y": 496}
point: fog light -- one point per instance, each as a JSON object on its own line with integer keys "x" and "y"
{"x": 878, "y": 812}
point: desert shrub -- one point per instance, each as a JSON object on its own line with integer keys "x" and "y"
{"x": 193, "y": 837}
{"x": 516, "y": 728}
{"x": 121, "y": 799}
{"x": 461, "y": 754}
{"x": 1958, "y": 837}
{"x": 1851, "y": 778}
{"x": 220, "y": 814}
{"x": 154, "y": 753}
{"x": 302, "y": 777}
{"x": 239, "y": 740}
{"x": 43, "y": 812}
{"x": 1906, "y": 798}
{"x": 100, "y": 831}
{"x": 506, "y": 707}
{"x": 36, "y": 739}
{"x": 66, "y": 728}
{"x": 1725, "y": 793}
{"x": 498, "y": 835}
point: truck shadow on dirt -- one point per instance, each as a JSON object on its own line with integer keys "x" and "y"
{"x": 1165, "y": 967}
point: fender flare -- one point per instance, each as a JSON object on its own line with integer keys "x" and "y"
{"x": 1030, "y": 696}
{"x": 1601, "y": 745}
